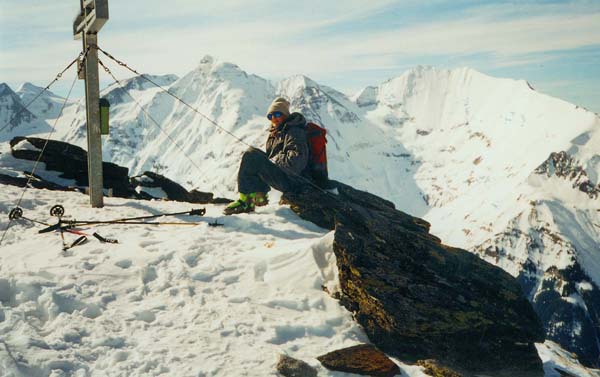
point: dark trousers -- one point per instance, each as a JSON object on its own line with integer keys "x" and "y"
{"x": 258, "y": 174}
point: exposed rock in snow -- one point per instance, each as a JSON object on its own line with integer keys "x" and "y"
{"x": 65, "y": 168}
{"x": 564, "y": 166}
{"x": 69, "y": 162}
{"x": 418, "y": 299}
{"x": 363, "y": 359}
{"x": 150, "y": 182}
{"x": 547, "y": 267}
{"x": 290, "y": 367}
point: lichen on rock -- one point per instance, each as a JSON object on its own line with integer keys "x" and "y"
{"x": 417, "y": 298}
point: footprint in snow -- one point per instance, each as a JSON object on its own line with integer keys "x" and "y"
{"x": 148, "y": 274}
{"x": 204, "y": 276}
{"x": 230, "y": 279}
{"x": 191, "y": 259}
{"x": 260, "y": 269}
{"x": 124, "y": 263}
{"x": 148, "y": 243}
{"x": 120, "y": 356}
{"x": 145, "y": 315}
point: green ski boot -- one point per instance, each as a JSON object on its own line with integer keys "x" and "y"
{"x": 260, "y": 198}
{"x": 244, "y": 204}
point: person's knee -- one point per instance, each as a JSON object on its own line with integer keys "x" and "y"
{"x": 253, "y": 154}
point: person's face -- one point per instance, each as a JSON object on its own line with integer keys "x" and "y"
{"x": 276, "y": 118}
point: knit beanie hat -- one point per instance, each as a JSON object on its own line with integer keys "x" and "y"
{"x": 280, "y": 104}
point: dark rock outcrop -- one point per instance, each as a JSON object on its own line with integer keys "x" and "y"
{"x": 35, "y": 182}
{"x": 290, "y": 367}
{"x": 173, "y": 190}
{"x": 418, "y": 299}
{"x": 565, "y": 298}
{"x": 363, "y": 359}
{"x": 565, "y": 166}
{"x": 70, "y": 162}
{"x": 568, "y": 303}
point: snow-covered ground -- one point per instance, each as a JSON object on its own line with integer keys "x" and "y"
{"x": 173, "y": 300}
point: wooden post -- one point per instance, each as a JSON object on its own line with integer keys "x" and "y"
{"x": 92, "y": 104}
{"x": 93, "y": 15}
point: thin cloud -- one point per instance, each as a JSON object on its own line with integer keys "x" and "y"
{"x": 321, "y": 39}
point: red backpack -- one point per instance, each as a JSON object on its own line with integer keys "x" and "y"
{"x": 317, "y": 162}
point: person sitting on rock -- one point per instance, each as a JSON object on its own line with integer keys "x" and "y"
{"x": 285, "y": 160}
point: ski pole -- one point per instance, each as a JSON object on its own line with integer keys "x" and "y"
{"x": 67, "y": 225}
{"x": 128, "y": 220}
{"x": 193, "y": 212}
{"x": 75, "y": 223}
{"x": 17, "y": 214}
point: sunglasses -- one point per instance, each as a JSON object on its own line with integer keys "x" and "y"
{"x": 274, "y": 114}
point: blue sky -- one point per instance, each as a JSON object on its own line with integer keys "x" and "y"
{"x": 555, "y": 45}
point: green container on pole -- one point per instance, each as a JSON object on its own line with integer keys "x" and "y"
{"x": 104, "y": 111}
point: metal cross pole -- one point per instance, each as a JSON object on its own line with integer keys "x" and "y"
{"x": 87, "y": 24}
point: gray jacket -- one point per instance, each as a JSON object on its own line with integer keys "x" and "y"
{"x": 287, "y": 147}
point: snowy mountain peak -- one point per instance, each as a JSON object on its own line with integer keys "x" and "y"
{"x": 366, "y": 97}
{"x": 318, "y": 103}
{"x": 423, "y": 69}
{"x": 207, "y": 60}
{"x": 465, "y": 76}
{"x": 207, "y": 65}
{"x": 8, "y": 97}
{"x": 29, "y": 87}
{"x": 5, "y": 89}
{"x": 210, "y": 66}
{"x": 12, "y": 110}
{"x": 141, "y": 83}
{"x": 420, "y": 77}
{"x": 430, "y": 71}
{"x": 299, "y": 82}
{"x": 46, "y": 106}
